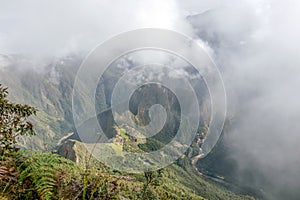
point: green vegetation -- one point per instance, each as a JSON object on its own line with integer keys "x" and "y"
{"x": 43, "y": 170}
{"x": 42, "y": 175}
{"x": 51, "y": 95}
{"x": 53, "y": 177}
{"x": 13, "y": 123}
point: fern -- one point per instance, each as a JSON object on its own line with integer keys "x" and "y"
{"x": 43, "y": 169}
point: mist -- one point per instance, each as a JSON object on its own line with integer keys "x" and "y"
{"x": 255, "y": 44}
{"x": 52, "y": 28}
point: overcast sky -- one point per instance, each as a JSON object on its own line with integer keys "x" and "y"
{"x": 256, "y": 43}
{"x": 57, "y": 27}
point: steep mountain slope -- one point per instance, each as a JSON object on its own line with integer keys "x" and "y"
{"x": 180, "y": 178}
{"x": 49, "y": 88}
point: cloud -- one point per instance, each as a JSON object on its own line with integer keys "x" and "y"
{"x": 255, "y": 44}
{"x": 58, "y": 27}
{"x": 257, "y": 48}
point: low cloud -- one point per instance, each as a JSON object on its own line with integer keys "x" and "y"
{"x": 255, "y": 44}
{"x": 55, "y": 28}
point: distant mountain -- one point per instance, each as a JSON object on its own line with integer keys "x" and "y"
{"x": 48, "y": 86}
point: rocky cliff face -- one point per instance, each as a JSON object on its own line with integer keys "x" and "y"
{"x": 67, "y": 150}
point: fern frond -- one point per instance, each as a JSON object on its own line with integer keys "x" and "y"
{"x": 41, "y": 169}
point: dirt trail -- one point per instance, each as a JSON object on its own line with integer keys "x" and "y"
{"x": 195, "y": 159}
{"x": 63, "y": 138}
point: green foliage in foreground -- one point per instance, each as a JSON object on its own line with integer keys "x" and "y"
{"x": 42, "y": 170}
{"x": 49, "y": 176}
{"x": 13, "y": 122}
{"x": 27, "y": 175}
{"x": 37, "y": 175}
